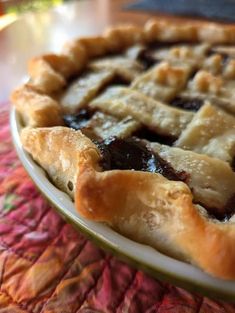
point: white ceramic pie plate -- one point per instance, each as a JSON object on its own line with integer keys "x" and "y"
{"x": 141, "y": 256}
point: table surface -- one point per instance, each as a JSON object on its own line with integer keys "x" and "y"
{"x": 33, "y": 34}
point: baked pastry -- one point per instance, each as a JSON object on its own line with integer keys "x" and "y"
{"x": 138, "y": 127}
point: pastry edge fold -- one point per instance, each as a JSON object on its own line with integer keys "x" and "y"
{"x": 149, "y": 208}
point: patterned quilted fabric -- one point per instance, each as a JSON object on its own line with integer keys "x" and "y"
{"x": 46, "y": 266}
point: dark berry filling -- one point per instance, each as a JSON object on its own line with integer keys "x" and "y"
{"x": 229, "y": 209}
{"x": 168, "y": 44}
{"x": 117, "y": 80}
{"x": 77, "y": 121}
{"x": 233, "y": 164}
{"x": 146, "y": 56}
{"x": 225, "y": 213}
{"x": 187, "y": 104}
{"x": 133, "y": 154}
{"x": 148, "y": 134}
{"x": 225, "y": 58}
{"x": 147, "y": 59}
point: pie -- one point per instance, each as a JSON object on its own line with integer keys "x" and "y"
{"x": 138, "y": 127}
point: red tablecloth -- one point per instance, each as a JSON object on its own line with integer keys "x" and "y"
{"x": 47, "y": 266}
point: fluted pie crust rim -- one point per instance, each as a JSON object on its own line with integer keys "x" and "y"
{"x": 167, "y": 220}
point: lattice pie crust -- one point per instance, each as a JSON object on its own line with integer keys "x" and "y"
{"x": 138, "y": 126}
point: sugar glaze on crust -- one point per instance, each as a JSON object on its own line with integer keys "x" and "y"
{"x": 149, "y": 208}
{"x": 160, "y": 213}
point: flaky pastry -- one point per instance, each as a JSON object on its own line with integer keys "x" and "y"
{"x": 137, "y": 125}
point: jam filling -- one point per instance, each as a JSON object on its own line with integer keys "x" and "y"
{"x": 146, "y": 58}
{"x": 79, "y": 120}
{"x": 133, "y": 154}
{"x": 187, "y": 104}
{"x": 229, "y": 209}
{"x": 225, "y": 58}
{"x": 233, "y": 164}
{"x": 148, "y": 134}
{"x": 117, "y": 80}
{"x": 225, "y": 213}
{"x": 169, "y": 44}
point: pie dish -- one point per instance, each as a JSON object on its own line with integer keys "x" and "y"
{"x": 138, "y": 127}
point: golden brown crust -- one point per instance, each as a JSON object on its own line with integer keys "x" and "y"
{"x": 164, "y": 30}
{"x": 211, "y": 180}
{"x": 102, "y": 126}
{"x": 194, "y": 31}
{"x": 160, "y": 213}
{"x": 48, "y": 73}
{"x": 163, "y": 81}
{"x": 36, "y": 109}
{"x": 77, "y": 54}
{"x": 83, "y": 89}
{"x": 149, "y": 208}
{"x": 211, "y": 132}
{"x": 123, "y": 36}
{"x": 60, "y": 63}
{"x": 123, "y": 102}
{"x": 43, "y": 77}
{"x": 94, "y": 46}
{"x": 122, "y": 67}
{"x": 60, "y": 151}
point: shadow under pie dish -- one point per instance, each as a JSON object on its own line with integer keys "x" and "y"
{"x": 138, "y": 127}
